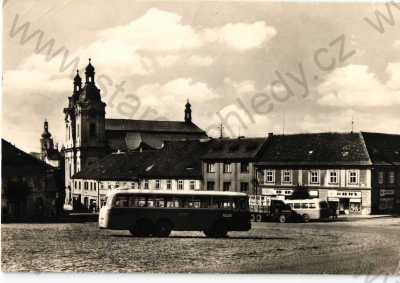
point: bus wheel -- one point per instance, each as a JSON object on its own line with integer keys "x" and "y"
{"x": 306, "y": 218}
{"x": 282, "y": 218}
{"x": 252, "y": 217}
{"x": 163, "y": 229}
{"x": 220, "y": 229}
{"x": 143, "y": 228}
{"x": 259, "y": 218}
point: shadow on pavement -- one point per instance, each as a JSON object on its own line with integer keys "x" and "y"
{"x": 204, "y": 237}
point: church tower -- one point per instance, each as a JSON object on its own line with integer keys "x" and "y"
{"x": 188, "y": 112}
{"x": 46, "y": 141}
{"x": 85, "y": 128}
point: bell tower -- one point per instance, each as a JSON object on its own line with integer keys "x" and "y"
{"x": 188, "y": 112}
{"x": 85, "y": 128}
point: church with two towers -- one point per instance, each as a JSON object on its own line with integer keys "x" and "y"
{"x": 91, "y": 136}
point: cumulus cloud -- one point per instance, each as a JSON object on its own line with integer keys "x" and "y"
{"x": 356, "y": 86}
{"x": 241, "y": 36}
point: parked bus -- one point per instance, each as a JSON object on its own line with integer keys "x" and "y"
{"x": 311, "y": 209}
{"x": 146, "y": 213}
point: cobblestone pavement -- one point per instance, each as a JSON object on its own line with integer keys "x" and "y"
{"x": 363, "y": 246}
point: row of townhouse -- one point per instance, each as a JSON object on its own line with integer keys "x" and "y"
{"x": 359, "y": 173}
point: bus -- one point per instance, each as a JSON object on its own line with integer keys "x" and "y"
{"x": 311, "y": 209}
{"x": 150, "y": 213}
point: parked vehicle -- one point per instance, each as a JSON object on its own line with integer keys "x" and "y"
{"x": 264, "y": 208}
{"x": 311, "y": 209}
{"x": 146, "y": 213}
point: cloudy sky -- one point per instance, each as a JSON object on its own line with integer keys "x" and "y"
{"x": 256, "y": 67}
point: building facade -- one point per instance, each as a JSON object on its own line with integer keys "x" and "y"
{"x": 31, "y": 189}
{"x": 384, "y": 151}
{"x": 334, "y": 167}
{"x": 228, "y": 164}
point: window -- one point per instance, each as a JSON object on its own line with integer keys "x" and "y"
{"x": 210, "y": 167}
{"x": 146, "y": 184}
{"x": 157, "y": 185}
{"x": 192, "y": 185}
{"x": 227, "y": 186}
{"x": 95, "y": 186}
{"x": 169, "y": 184}
{"x": 227, "y": 168}
{"x": 244, "y": 187}
{"x": 244, "y": 167}
{"x": 180, "y": 185}
{"x": 381, "y": 177}
{"x": 286, "y": 177}
{"x": 392, "y": 177}
{"x": 269, "y": 176}
{"x": 210, "y": 186}
{"x": 353, "y": 177}
{"x": 314, "y": 177}
{"x": 92, "y": 130}
{"x": 333, "y": 177}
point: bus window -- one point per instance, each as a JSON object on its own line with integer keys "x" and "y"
{"x": 159, "y": 202}
{"x": 305, "y": 205}
{"x": 150, "y": 202}
{"x": 121, "y": 201}
{"x": 174, "y": 203}
{"x": 140, "y": 202}
{"x": 296, "y": 206}
{"x": 323, "y": 204}
{"x": 205, "y": 202}
{"x": 243, "y": 203}
{"x": 193, "y": 204}
{"x": 226, "y": 204}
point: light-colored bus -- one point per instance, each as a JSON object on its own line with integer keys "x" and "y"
{"x": 146, "y": 213}
{"x": 310, "y": 209}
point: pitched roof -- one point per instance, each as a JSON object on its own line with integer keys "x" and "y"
{"x": 19, "y": 163}
{"x": 178, "y": 159}
{"x": 234, "y": 149}
{"x": 383, "y": 149}
{"x": 152, "y": 126}
{"x": 315, "y": 149}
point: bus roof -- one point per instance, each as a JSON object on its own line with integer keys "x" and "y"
{"x": 191, "y": 193}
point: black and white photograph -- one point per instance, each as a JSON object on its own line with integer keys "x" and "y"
{"x": 200, "y": 137}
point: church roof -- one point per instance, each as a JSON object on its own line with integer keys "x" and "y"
{"x": 152, "y": 126}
